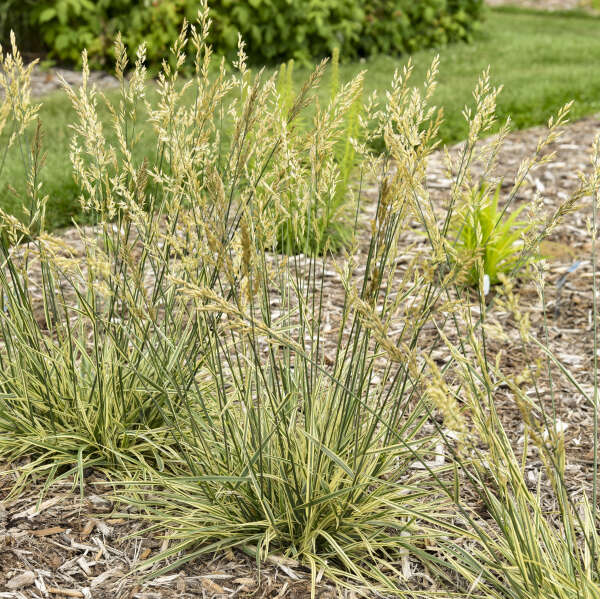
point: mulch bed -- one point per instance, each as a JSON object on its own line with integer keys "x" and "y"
{"x": 68, "y": 546}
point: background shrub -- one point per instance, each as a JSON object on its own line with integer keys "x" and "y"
{"x": 274, "y": 30}
{"x": 15, "y": 15}
{"x": 69, "y": 26}
{"x": 393, "y": 26}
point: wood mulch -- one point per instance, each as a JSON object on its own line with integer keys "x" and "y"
{"x": 68, "y": 546}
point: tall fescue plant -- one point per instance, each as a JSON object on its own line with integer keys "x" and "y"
{"x": 94, "y": 339}
{"x": 527, "y": 538}
{"x": 85, "y": 356}
{"x": 516, "y": 541}
{"x": 171, "y": 342}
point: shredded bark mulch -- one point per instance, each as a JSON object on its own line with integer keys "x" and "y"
{"x": 68, "y": 546}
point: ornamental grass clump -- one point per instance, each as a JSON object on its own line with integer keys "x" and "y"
{"x": 488, "y": 237}
{"x": 286, "y": 404}
{"x": 83, "y": 365}
{"x": 305, "y": 442}
{"x": 538, "y": 537}
{"x": 171, "y": 344}
{"x": 515, "y": 541}
{"x": 322, "y": 220}
{"x": 530, "y": 533}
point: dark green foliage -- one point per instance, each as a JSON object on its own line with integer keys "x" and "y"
{"x": 403, "y": 26}
{"x": 15, "y": 16}
{"x": 274, "y": 30}
{"x": 69, "y": 26}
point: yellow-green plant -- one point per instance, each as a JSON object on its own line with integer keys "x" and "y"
{"x": 512, "y": 545}
{"x": 527, "y": 538}
{"x": 489, "y": 238}
{"x": 301, "y": 448}
{"x": 85, "y": 365}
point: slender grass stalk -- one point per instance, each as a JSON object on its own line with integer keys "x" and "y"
{"x": 595, "y": 184}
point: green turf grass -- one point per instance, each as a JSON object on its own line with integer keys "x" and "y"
{"x": 543, "y": 60}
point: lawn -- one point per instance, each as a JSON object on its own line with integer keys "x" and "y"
{"x": 542, "y": 59}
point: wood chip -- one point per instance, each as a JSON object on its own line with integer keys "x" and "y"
{"x": 102, "y": 578}
{"x": 47, "y": 532}
{"x": 35, "y": 510}
{"x": 26, "y": 579}
{"x": 145, "y": 553}
{"x": 65, "y": 592}
{"x": 84, "y": 566}
{"x": 87, "y": 529}
{"x": 180, "y": 584}
{"x": 212, "y": 587}
{"x": 100, "y": 502}
{"x": 102, "y": 549}
{"x": 283, "y": 591}
{"x": 103, "y": 528}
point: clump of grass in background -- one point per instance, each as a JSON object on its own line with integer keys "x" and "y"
{"x": 489, "y": 238}
{"x": 323, "y": 221}
{"x": 490, "y": 242}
